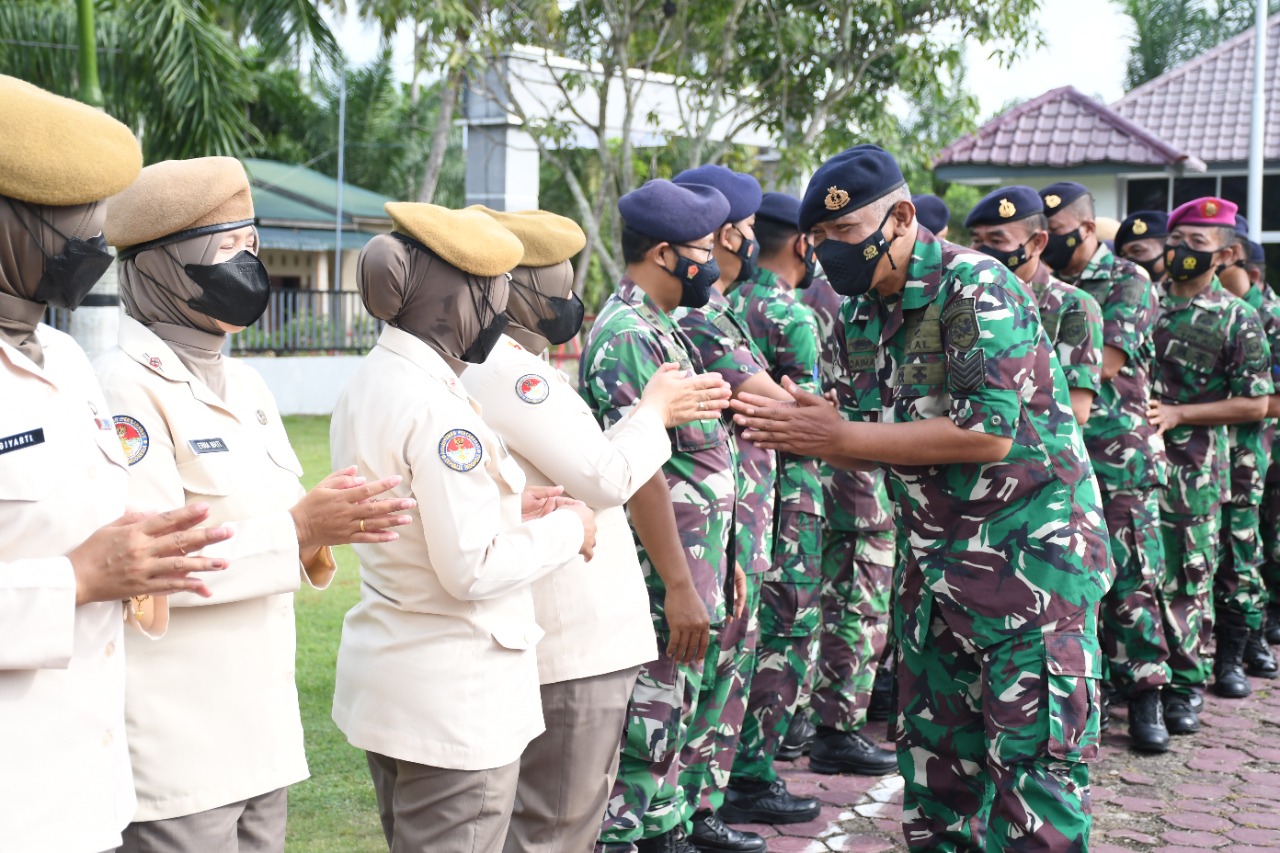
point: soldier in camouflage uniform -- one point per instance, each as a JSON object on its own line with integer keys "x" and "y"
{"x": 1256, "y": 267}
{"x": 1238, "y": 583}
{"x": 682, "y": 518}
{"x": 1127, "y": 454}
{"x": 955, "y": 390}
{"x": 1212, "y": 369}
{"x": 725, "y": 345}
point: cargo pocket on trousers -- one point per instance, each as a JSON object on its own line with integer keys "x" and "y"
{"x": 654, "y": 712}
{"x": 1073, "y": 666}
{"x": 790, "y": 609}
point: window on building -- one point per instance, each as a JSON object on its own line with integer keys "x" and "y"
{"x": 1147, "y": 194}
{"x": 1189, "y": 189}
{"x": 1270, "y": 203}
{"x": 1236, "y": 188}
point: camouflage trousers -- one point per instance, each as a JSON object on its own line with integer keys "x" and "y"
{"x": 857, "y": 577}
{"x": 1237, "y": 583}
{"x": 1269, "y": 524}
{"x": 707, "y": 758}
{"x": 994, "y": 743}
{"x": 1133, "y": 636}
{"x": 789, "y": 619}
{"x": 1190, "y": 554}
{"x": 646, "y": 799}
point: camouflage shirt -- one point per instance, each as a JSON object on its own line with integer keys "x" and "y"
{"x": 1003, "y": 547}
{"x": 1126, "y": 452}
{"x": 853, "y": 501}
{"x": 630, "y": 340}
{"x": 725, "y": 347}
{"x": 1208, "y": 348}
{"x": 1251, "y": 444}
{"x": 786, "y": 334}
{"x": 1072, "y": 321}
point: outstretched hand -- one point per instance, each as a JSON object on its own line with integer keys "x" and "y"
{"x": 806, "y": 427}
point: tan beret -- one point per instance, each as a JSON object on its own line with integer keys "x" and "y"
{"x": 57, "y": 151}
{"x": 178, "y": 195}
{"x": 468, "y": 239}
{"x": 1107, "y": 228}
{"x": 548, "y": 238}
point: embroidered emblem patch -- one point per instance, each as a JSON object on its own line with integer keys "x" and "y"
{"x": 836, "y": 198}
{"x": 133, "y": 438}
{"x": 1255, "y": 356}
{"x": 532, "y": 388}
{"x": 1188, "y": 263}
{"x": 966, "y": 372}
{"x": 691, "y": 272}
{"x": 960, "y": 322}
{"x": 1006, "y": 208}
{"x": 460, "y": 450}
{"x": 1139, "y": 227}
{"x": 1052, "y": 201}
{"x": 1074, "y": 328}
{"x": 869, "y": 253}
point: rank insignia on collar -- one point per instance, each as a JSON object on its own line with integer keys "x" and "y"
{"x": 1006, "y": 208}
{"x": 532, "y": 388}
{"x": 133, "y": 438}
{"x": 1139, "y": 227}
{"x": 836, "y": 198}
{"x": 1052, "y": 201}
{"x": 870, "y": 252}
{"x": 460, "y": 450}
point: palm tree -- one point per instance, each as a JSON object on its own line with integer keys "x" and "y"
{"x": 181, "y": 73}
{"x": 1168, "y": 33}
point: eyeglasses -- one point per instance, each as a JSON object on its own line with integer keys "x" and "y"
{"x": 708, "y": 250}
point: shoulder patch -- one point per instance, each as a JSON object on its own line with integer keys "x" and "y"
{"x": 966, "y": 372}
{"x": 1255, "y": 356}
{"x": 1133, "y": 292}
{"x": 133, "y": 438}
{"x": 1074, "y": 328}
{"x": 461, "y": 450}
{"x": 960, "y": 324}
{"x": 532, "y": 388}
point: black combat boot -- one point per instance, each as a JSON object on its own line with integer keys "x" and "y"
{"x": 799, "y": 738}
{"x": 711, "y": 835}
{"x": 754, "y": 801}
{"x": 1229, "y": 680}
{"x": 1272, "y": 626}
{"x": 1180, "y": 717}
{"x": 1147, "y": 731}
{"x": 1258, "y": 659}
{"x": 834, "y": 751}
{"x": 671, "y": 841}
{"x": 882, "y": 693}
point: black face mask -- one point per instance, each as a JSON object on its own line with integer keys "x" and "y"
{"x": 235, "y": 291}
{"x": 1183, "y": 263}
{"x": 1012, "y": 260}
{"x": 1150, "y": 267}
{"x": 695, "y": 280}
{"x": 69, "y": 275}
{"x": 560, "y": 318}
{"x": 850, "y": 266}
{"x": 490, "y": 333}
{"x": 1058, "y": 251}
{"x": 749, "y": 253}
{"x": 810, "y": 268}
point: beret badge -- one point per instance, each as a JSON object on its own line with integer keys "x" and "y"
{"x": 836, "y": 198}
{"x": 1006, "y": 208}
{"x": 1052, "y": 200}
{"x": 870, "y": 252}
{"x": 1209, "y": 208}
{"x": 1139, "y": 227}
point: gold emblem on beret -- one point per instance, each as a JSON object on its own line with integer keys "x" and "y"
{"x": 1071, "y": 242}
{"x": 1188, "y": 263}
{"x": 1052, "y": 200}
{"x": 836, "y": 198}
{"x": 1209, "y": 208}
{"x": 1006, "y": 208}
{"x": 869, "y": 253}
{"x": 1139, "y": 227}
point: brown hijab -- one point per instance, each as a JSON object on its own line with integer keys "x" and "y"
{"x": 415, "y": 290}
{"x": 526, "y": 307}
{"x": 155, "y": 289}
{"x": 29, "y": 233}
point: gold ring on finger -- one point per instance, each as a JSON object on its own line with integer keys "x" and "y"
{"x": 362, "y": 525}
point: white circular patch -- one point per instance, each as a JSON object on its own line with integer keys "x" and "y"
{"x": 460, "y": 450}
{"x": 532, "y": 388}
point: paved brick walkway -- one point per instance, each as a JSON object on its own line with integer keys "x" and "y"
{"x": 1218, "y": 790}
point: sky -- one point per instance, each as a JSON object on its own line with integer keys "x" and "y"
{"x": 1086, "y": 43}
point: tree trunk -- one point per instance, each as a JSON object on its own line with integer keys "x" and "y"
{"x": 444, "y": 120}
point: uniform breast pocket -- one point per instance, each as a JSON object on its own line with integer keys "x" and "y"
{"x": 282, "y": 453}
{"x": 29, "y": 468}
{"x": 212, "y": 474}
{"x": 921, "y": 385}
{"x": 696, "y": 436}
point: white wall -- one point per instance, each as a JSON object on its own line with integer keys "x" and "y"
{"x": 305, "y": 385}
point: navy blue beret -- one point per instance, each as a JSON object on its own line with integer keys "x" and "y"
{"x": 848, "y": 181}
{"x": 1007, "y": 204}
{"x": 1242, "y": 227}
{"x": 742, "y": 190}
{"x": 675, "y": 213}
{"x": 1142, "y": 225}
{"x": 932, "y": 211}
{"x": 1256, "y": 253}
{"x": 779, "y": 207}
{"x": 1059, "y": 195}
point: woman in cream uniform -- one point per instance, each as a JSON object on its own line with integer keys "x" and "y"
{"x": 596, "y": 615}
{"x": 67, "y": 555}
{"x": 212, "y": 709}
{"x": 437, "y": 679}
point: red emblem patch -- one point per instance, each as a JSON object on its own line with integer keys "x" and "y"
{"x": 155, "y": 362}
{"x": 693, "y": 270}
{"x": 532, "y": 388}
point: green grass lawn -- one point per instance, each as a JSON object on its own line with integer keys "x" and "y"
{"x": 334, "y": 811}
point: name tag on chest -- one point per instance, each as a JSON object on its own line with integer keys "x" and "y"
{"x": 208, "y": 445}
{"x": 30, "y": 438}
